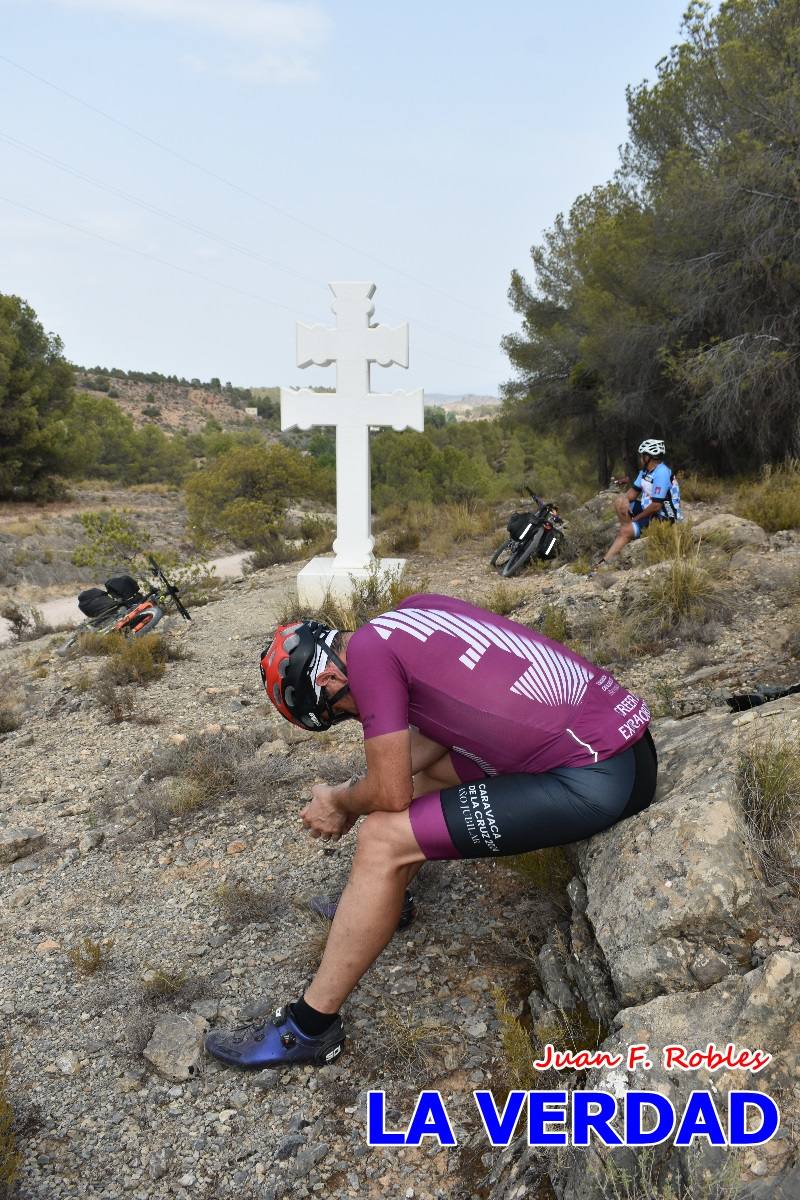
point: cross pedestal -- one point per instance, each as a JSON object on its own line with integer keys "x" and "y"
{"x": 352, "y": 408}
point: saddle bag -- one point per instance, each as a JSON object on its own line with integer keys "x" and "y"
{"x": 123, "y": 588}
{"x": 518, "y": 523}
{"x": 95, "y": 601}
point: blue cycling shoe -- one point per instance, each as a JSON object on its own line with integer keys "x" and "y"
{"x": 325, "y": 906}
{"x": 275, "y": 1041}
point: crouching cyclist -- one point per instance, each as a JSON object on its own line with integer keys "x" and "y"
{"x": 653, "y": 495}
{"x": 482, "y": 738}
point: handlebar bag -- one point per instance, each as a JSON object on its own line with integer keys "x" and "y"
{"x": 518, "y": 522}
{"x": 123, "y": 587}
{"x": 95, "y": 601}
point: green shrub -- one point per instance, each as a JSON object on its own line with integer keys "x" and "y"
{"x": 243, "y": 493}
{"x": 553, "y": 622}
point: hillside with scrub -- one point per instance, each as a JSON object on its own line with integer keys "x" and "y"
{"x": 154, "y": 877}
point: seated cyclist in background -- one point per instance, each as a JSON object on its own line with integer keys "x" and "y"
{"x": 482, "y": 738}
{"x": 654, "y": 494}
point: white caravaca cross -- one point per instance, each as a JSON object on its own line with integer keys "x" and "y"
{"x": 352, "y": 408}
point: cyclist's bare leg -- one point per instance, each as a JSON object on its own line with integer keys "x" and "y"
{"x": 626, "y": 534}
{"x": 387, "y": 858}
{"x": 626, "y": 531}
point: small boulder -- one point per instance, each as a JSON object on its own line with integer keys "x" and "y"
{"x": 18, "y": 842}
{"x": 176, "y": 1047}
{"x": 735, "y": 531}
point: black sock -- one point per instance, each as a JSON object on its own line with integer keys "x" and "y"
{"x": 311, "y": 1022}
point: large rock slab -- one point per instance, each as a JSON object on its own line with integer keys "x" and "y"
{"x": 176, "y": 1047}
{"x": 759, "y": 1010}
{"x": 671, "y": 896}
{"x": 18, "y": 841}
{"x": 736, "y": 531}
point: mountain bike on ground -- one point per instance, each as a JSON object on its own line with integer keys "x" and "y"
{"x": 122, "y": 607}
{"x": 532, "y": 533}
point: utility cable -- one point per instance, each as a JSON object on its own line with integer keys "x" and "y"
{"x": 184, "y": 223}
{"x": 193, "y": 274}
{"x": 236, "y": 187}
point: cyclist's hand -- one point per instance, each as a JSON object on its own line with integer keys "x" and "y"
{"x": 323, "y": 818}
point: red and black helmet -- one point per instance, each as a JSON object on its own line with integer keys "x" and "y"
{"x": 289, "y": 668}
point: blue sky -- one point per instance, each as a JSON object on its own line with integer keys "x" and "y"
{"x": 422, "y": 146}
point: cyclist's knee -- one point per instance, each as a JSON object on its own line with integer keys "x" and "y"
{"x": 386, "y": 837}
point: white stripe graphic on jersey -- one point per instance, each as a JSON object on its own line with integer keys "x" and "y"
{"x": 484, "y": 766}
{"x": 582, "y": 743}
{"x": 550, "y": 678}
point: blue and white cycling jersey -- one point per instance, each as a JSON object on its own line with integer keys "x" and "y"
{"x": 660, "y": 484}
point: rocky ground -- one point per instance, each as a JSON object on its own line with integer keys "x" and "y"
{"x": 194, "y": 914}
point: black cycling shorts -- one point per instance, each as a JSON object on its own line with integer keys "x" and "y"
{"x": 511, "y": 814}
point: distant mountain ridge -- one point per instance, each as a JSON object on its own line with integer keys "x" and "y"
{"x": 467, "y": 400}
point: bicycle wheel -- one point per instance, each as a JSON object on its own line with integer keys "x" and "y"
{"x": 502, "y": 553}
{"x": 518, "y": 560}
{"x": 142, "y": 622}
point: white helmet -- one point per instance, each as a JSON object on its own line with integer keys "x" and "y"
{"x": 654, "y": 447}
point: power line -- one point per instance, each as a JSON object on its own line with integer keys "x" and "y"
{"x": 183, "y": 223}
{"x": 187, "y": 271}
{"x": 283, "y": 212}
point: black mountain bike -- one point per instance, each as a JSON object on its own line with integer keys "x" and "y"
{"x": 533, "y": 533}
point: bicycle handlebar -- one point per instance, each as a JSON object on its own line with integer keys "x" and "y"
{"x": 169, "y": 588}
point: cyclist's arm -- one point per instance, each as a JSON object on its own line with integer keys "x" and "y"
{"x": 387, "y": 785}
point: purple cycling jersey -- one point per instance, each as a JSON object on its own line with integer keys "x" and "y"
{"x": 495, "y": 692}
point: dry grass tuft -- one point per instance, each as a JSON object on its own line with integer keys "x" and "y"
{"x": 116, "y": 702}
{"x": 655, "y": 1173}
{"x": 549, "y": 870}
{"x": 773, "y": 502}
{"x": 412, "y": 1048}
{"x": 10, "y": 717}
{"x": 768, "y": 782}
{"x": 432, "y": 528}
{"x": 241, "y": 904}
{"x": 371, "y": 596}
{"x": 700, "y": 488}
{"x": 9, "y": 1154}
{"x": 503, "y": 600}
{"x": 163, "y": 982}
{"x": 209, "y": 768}
{"x": 669, "y": 540}
{"x": 682, "y": 592}
{"x": 89, "y": 957}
